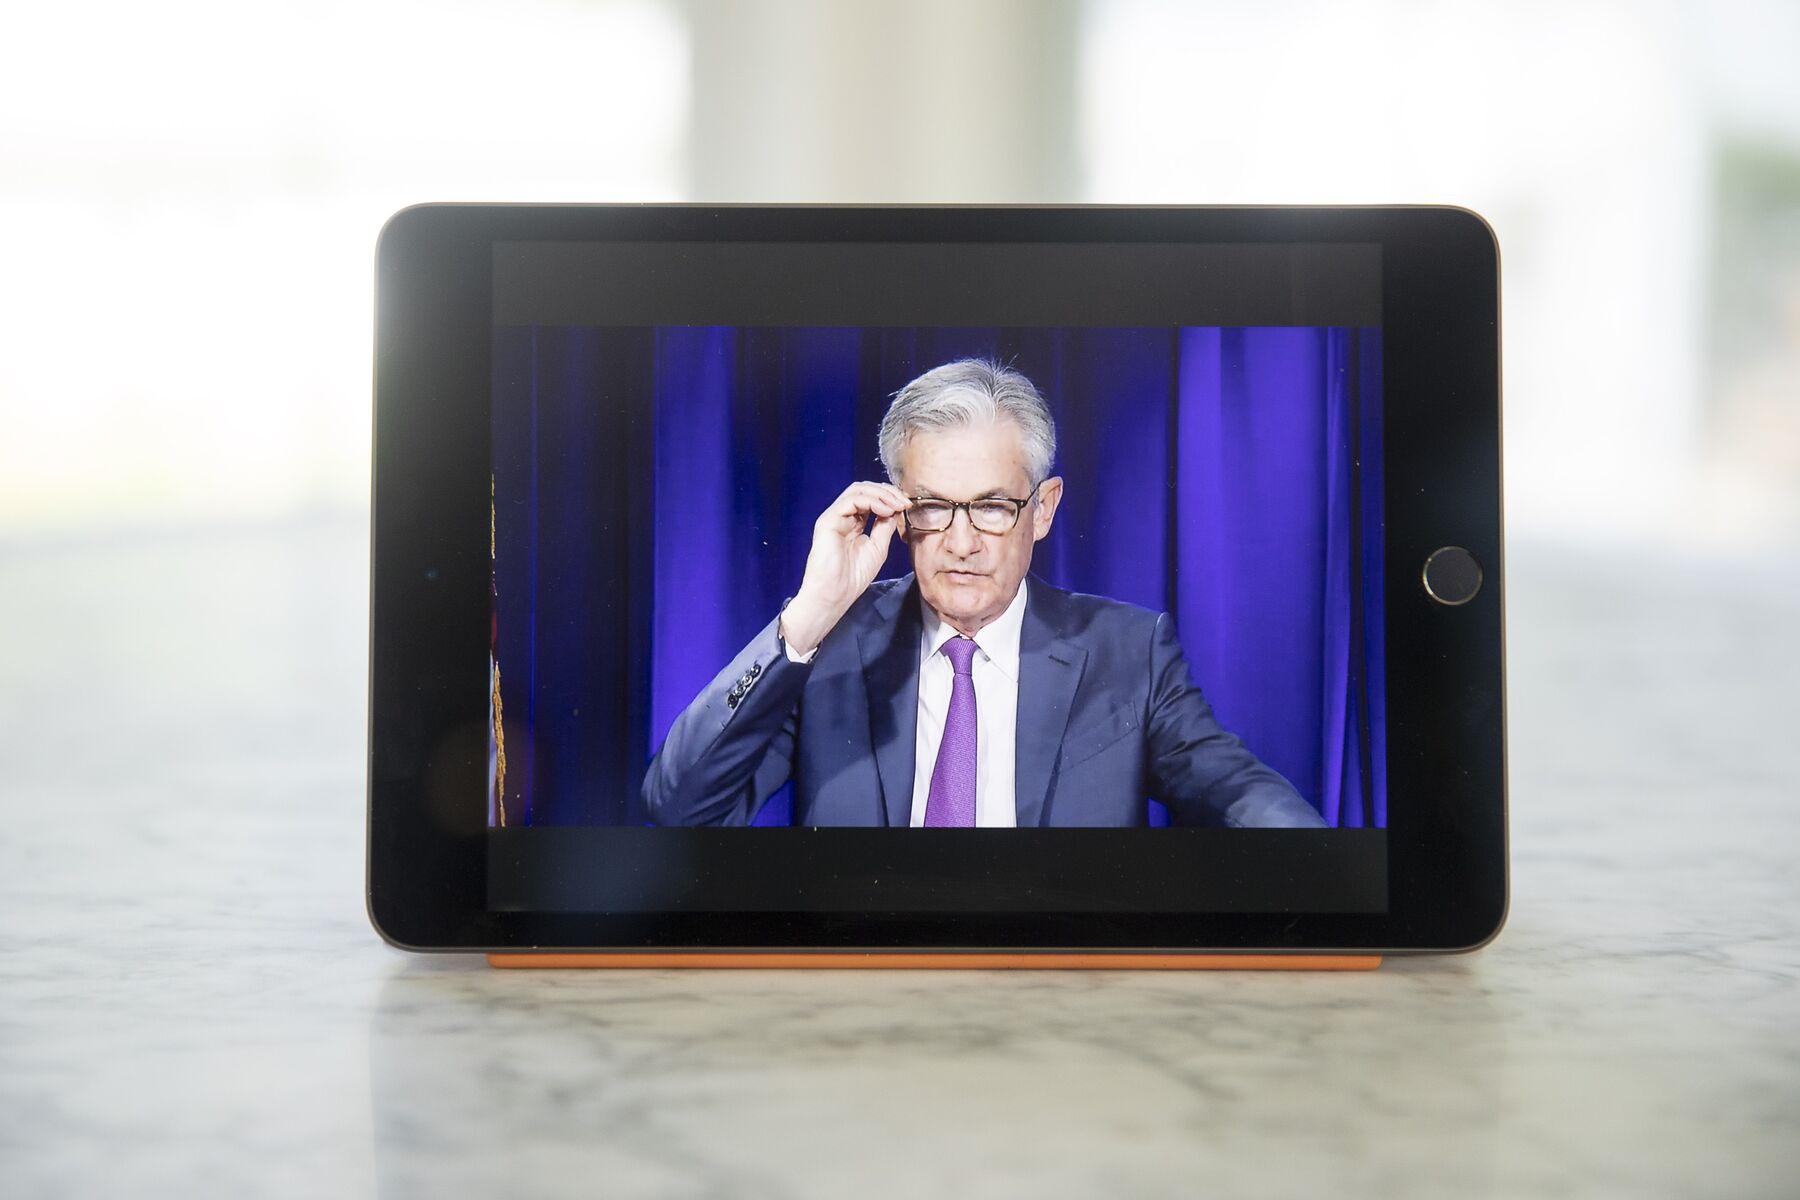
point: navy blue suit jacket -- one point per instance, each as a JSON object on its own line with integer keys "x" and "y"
{"x": 1108, "y": 716}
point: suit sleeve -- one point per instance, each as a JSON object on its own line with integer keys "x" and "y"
{"x": 1204, "y": 774}
{"x": 733, "y": 746}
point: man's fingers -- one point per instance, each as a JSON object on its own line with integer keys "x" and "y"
{"x": 881, "y": 534}
{"x": 881, "y": 498}
{"x": 861, "y": 499}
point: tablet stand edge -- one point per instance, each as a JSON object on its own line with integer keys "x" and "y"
{"x": 918, "y": 961}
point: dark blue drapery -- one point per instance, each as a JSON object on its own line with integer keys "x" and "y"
{"x": 655, "y": 490}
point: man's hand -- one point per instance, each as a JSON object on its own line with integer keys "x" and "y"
{"x": 843, "y": 560}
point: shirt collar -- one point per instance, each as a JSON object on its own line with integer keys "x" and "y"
{"x": 998, "y": 640}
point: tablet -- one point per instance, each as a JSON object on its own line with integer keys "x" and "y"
{"x": 1018, "y": 583}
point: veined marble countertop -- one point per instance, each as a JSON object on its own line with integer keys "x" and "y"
{"x": 192, "y": 1001}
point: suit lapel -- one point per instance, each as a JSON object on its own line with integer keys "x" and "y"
{"x": 890, "y": 658}
{"x": 1049, "y": 672}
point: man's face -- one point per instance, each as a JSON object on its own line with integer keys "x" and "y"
{"x": 967, "y": 576}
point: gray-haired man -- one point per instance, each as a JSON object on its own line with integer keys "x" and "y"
{"x": 967, "y": 693}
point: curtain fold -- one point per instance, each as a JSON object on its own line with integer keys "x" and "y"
{"x": 655, "y": 492}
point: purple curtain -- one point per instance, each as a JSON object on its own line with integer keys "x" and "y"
{"x": 655, "y": 491}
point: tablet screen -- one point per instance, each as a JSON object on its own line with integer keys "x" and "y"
{"x": 1162, "y": 537}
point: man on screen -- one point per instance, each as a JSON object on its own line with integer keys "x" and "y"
{"x": 968, "y": 693}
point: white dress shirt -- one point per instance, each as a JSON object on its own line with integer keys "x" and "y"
{"x": 995, "y": 667}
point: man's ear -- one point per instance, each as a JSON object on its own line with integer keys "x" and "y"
{"x": 1048, "y": 497}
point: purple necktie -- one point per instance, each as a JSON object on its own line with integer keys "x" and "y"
{"x": 951, "y": 802}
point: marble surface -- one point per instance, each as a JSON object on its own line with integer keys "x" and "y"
{"x": 192, "y": 1001}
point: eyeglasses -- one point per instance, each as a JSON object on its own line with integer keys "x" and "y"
{"x": 990, "y": 514}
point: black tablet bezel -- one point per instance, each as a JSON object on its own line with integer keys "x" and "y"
{"x": 429, "y": 576}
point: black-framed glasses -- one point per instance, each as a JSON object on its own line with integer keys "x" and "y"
{"x": 990, "y": 514}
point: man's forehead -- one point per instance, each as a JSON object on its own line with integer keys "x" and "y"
{"x": 966, "y": 462}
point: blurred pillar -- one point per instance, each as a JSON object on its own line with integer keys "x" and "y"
{"x": 869, "y": 101}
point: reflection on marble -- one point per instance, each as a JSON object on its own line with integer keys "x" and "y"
{"x": 192, "y": 1002}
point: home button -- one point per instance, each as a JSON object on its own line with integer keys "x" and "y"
{"x": 1452, "y": 576}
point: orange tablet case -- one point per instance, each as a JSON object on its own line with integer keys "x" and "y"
{"x": 954, "y": 962}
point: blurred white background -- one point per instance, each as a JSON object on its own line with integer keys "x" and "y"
{"x": 192, "y": 191}
{"x": 190, "y": 194}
